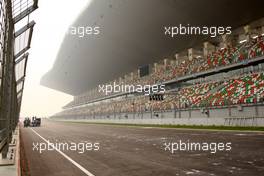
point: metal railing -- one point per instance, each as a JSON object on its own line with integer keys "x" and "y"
{"x": 13, "y": 64}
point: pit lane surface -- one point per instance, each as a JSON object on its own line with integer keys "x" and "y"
{"x": 140, "y": 151}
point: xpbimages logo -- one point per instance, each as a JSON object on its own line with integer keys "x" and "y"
{"x": 84, "y": 31}
{"x": 130, "y": 88}
{"x": 80, "y": 147}
{"x": 211, "y": 147}
{"x": 212, "y": 31}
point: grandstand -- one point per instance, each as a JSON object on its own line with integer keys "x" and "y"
{"x": 136, "y": 89}
{"x": 208, "y": 84}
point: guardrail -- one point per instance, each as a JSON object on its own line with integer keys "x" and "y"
{"x": 3, "y": 138}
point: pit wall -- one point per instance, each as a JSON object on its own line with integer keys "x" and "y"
{"x": 241, "y": 115}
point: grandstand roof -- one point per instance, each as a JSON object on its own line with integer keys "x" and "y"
{"x": 132, "y": 35}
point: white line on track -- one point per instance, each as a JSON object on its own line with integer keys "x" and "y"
{"x": 66, "y": 156}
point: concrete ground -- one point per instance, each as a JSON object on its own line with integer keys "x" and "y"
{"x": 8, "y": 166}
{"x": 135, "y": 151}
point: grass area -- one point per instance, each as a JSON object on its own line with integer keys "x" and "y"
{"x": 205, "y": 127}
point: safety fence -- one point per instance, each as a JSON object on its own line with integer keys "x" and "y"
{"x": 15, "y": 37}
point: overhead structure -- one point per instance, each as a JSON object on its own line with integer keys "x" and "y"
{"x": 132, "y": 35}
{"x": 16, "y": 32}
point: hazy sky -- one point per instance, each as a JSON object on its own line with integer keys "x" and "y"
{"x": 53, "y": 18}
